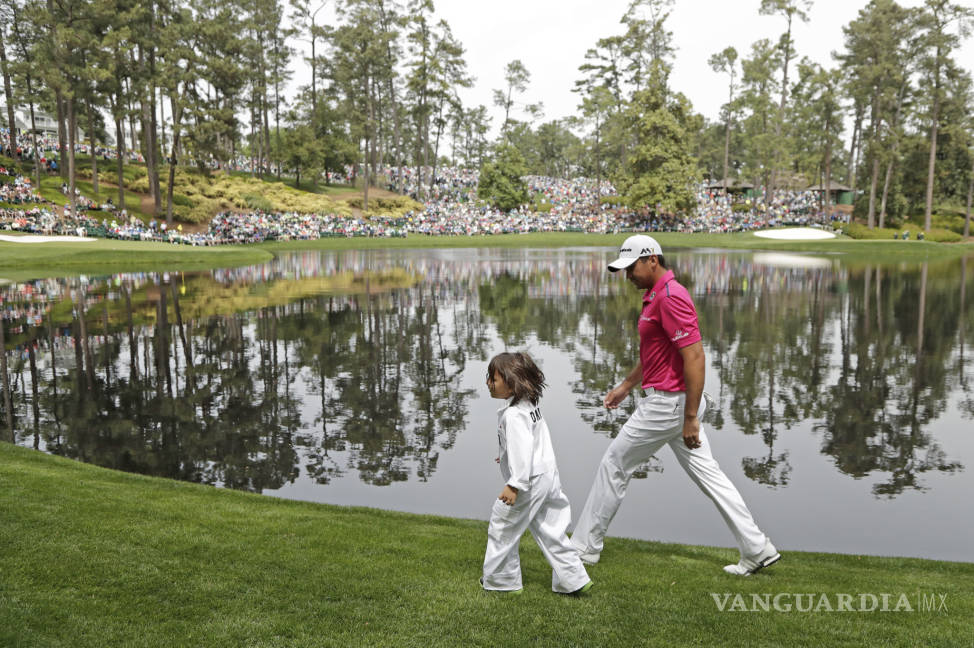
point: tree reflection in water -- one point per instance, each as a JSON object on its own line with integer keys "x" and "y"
{"x": 354, "y": 364}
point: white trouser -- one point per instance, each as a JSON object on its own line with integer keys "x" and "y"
{"x": 658, "y": 419}
{"x": 545, "y": 510}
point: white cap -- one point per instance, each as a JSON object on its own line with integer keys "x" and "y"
{"x": 634, "y": 247}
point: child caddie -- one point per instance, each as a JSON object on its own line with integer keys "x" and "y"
{"x": 531, "y": 497}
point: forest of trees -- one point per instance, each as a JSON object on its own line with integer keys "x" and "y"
{"x": 200, "y": 82}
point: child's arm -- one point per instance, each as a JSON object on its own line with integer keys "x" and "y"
{"x": 520, "y": 449}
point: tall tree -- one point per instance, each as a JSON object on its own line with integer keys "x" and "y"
{"x": 757, "y": 84}
{"x": 7, "y": 18}
{"x": 661, "y": 170}
{"x": 789, "y": 9}
{"x": 517, "y": 77}
{"x": 725, "y": 61}
{"x": 940, "y": 18}
{"x": 818, "y": 122}
{"x": 26, "y": 41}
{"x": 875, "y": 65}
{"x": 306, "y": 19}
{"x": 360, "y": 68}
{"x": 647, "y": 42}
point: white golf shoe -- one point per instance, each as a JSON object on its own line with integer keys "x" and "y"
{"x": 747, "y": 566}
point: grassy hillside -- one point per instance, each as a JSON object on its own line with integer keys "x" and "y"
{"x": 198, "y": 197}
{"x": 93, "y": 557}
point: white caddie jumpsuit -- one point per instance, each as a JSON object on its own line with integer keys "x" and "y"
{"x": 527, "y": 463}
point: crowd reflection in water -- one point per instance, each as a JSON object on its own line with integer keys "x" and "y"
{"x": 352, "y": 364}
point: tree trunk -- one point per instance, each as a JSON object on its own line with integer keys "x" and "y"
{"x": 267, "y": 129}
{"x": 9, "y": 94}
{"x": 177, "y": 115}
{"x": 727, "y": 131}
{"x": 853, "y": 158}
{"x": 886, "y": 183}
{"x": 970, "y": 194}
{"x": 874, "y": 126}
{"x": 254, "y": 143}
{"x": 931, "y": 167}
{"x": 94, "y": 156}
{"x": 314, "y": 86}
{"x": 33, "y": 135}
{"x": 277, "y": 127}
{"x": 368, "y": 134}
{"x": 827, "y": 211}
{"x": 598, "y": 163}
{"x": 62, "y": 135}
{"x": 365, "y": 168}
{"x": 120, "y": 152}
{"x": 153, "y": 126}
{"x": 781, "y": 108}
{"x": 72, "y": 134}
{"x": 874, "y": 180}
{"x": 158, "y": 102}
{"x": 436, "y": 148}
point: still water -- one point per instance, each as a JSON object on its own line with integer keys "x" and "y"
{"x": 845, "y": 392}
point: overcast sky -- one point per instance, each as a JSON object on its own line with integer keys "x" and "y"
{"x": 551, "y": 37}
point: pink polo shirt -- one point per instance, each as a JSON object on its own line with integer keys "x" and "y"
{"x": 667, "y": 324}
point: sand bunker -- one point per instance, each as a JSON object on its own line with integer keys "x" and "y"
{"x": 796, "y": 234}
{"x": 37, "y": 238}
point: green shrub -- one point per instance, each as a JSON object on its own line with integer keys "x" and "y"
{"x": 181, "y": 200}
{"x": 203, "y": 212}
{"x": 740, "y": 207}
{"x": 938, "y": 235}
{"x": 140, "y": 185}
{"x": 255, "y": 201}
{"x": 384, "y": 206}
{"x": 615, "y": 201}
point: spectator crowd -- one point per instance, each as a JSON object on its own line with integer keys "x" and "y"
{"x": 450, "y": 207}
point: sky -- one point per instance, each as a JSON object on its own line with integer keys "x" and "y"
{"x": 551, "y": 37}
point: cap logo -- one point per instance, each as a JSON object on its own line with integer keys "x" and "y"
{"x": 645, "y": 251}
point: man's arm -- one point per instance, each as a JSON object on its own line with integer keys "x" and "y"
{"x": 617, "y": 395}
{"x": 694, "y": 368}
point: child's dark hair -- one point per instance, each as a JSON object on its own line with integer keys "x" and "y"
{"x": 520, "y": 373}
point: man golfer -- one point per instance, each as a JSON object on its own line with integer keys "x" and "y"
{"x": 671, "y": 372}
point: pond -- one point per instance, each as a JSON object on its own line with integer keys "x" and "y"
{"x": 845, "y": 392}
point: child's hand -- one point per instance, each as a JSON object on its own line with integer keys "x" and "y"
{"x": 508, "y": 495}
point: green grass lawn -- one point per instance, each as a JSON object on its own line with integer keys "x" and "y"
{"x": 19, "y": 261}
{"x": 93, "y": 557}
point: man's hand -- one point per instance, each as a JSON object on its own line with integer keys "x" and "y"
{"x": 616, "y": 396}
{"x": 508, "y": 495}
{"x": 691, "y": 431}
